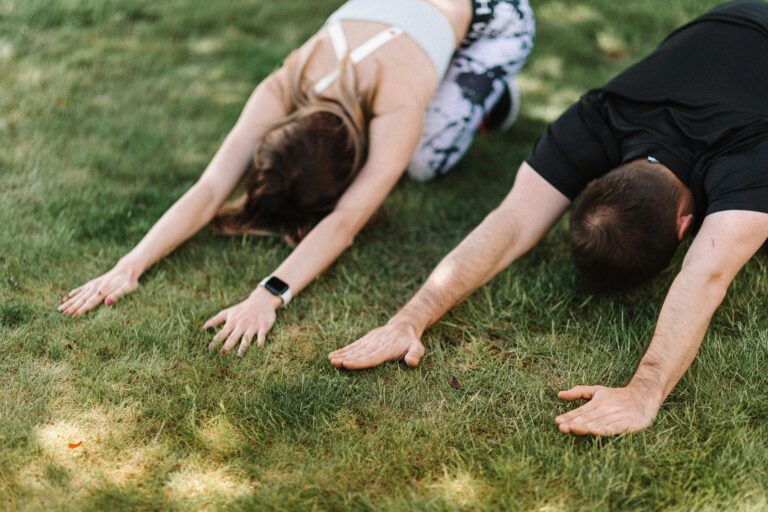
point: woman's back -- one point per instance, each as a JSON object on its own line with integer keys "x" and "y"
{"x": 400, "y": 73}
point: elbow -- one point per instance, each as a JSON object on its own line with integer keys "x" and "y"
{"x": 713, "y": 277}
{"x": 345, "y": 228}
{"x": 347, "y": 239}
{"x": 205, "y": 192}
{"x": 507, "y": 229}
{"x": 718, "y": 281}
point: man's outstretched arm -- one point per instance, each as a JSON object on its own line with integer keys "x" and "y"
{"x": 725, "y": 243}
{"x": 523, "y": 218}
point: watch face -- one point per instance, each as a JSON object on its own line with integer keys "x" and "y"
{"x": 276, "y": 286}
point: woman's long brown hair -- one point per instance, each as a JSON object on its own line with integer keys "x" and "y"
{"x": 305, "y": 162}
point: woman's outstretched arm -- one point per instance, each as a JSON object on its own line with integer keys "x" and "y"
{"x": 393, "y": 139}
{"x": 194, "y": 209}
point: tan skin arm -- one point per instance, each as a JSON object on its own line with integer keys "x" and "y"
{"x": 726, "y": 241}
{"x": 527, "y": 213}
{"x": 393, "y": 139}
{"x": 194, "y": 209}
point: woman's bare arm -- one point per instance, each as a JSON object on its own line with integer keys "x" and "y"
{"x": 393, "y": 139}
{"x": 194, "y": 209}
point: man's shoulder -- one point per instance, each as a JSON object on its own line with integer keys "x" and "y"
{"x": 748, "y": 13}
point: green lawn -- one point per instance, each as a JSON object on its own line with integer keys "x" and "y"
{"x": 110, "y": 109}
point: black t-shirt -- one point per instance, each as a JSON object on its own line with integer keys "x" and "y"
{"x": 699, "y": 98}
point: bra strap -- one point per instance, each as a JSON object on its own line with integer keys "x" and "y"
{"x": 338, "y": 40}
{"x": 357, "y": 55}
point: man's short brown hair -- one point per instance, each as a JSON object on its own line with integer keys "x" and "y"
{"x": 623, "y": 227}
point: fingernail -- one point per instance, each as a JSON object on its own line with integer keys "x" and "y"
{"x": 109, "y": 302}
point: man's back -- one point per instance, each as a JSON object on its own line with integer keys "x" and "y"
{"x": 705, "y": 82}
{"x": 698, "y": 99}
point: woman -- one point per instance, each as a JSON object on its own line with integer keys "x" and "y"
{"x": 384, "y": 86}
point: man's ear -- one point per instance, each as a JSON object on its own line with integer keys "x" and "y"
{"x": 684, "y": 222}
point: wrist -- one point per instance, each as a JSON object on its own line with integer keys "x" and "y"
{"x": 409, "y": 321}
{"x": 651, "y": 391}
{"x": 132, "y": 265}
{"x": 261, "y": 294}
{"x": 277, "y": 287}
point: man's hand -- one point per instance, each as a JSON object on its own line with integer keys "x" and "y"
{"x": 725, "y": 242}
{"x": 610, "y": 411}
{"x": 252, "y": 317}
{"x": 392, "y": 342}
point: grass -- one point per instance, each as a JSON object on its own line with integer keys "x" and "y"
{"x": 110, "y": 110}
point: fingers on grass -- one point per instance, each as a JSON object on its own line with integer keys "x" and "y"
{"x": 592, "y": 418}
{"x": 75, "y": 298}
{"x": 235, "y": 336}
{"x": 72, "y": 293}
{"x": 343, "y": 349}
{"x": 578, "y": 393}
{"x": 245, "y": 344}
{"x": 221, "y": 335}
{"x": 607, "y": 425}
{"x": 370, "y": 356}
{"x": 362, "y": 362}
{"x": 579, "y": 430}
{"x": 261, "y": 337}
{"x": 414, "y": 355}
{"x": 357, "y": 355}
{"x": 336, "y": 354}
{"x": 350, "y": 351}
{"x": 75, "y": 303}
{"x": 114, "y": 295}
{"x": 76, "y": 290}
{"x": 370, "y": 359}
{"x": 575, "y": 414}
{"x": 218, "y": 318}
{"x": 95, "y": 297}
{"x": 66, "y": 304}
{"x": 597, "y": 416}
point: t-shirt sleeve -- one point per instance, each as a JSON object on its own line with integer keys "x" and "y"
{"x": 739, "y": 181}
{"x": 575, "y": 149}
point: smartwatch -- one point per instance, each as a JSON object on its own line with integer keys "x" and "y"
{"x": 278, "y": 288}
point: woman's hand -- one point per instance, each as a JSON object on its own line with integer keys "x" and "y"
{"x": 107, "y": 289}
{"x": 252, "y": 317}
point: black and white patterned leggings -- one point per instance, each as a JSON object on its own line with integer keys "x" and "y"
{"x": 499, "y": 40}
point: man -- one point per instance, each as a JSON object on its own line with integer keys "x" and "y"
{"x": 677, "y": 143}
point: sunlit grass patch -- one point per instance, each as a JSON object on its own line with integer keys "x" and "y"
{"x": 221, "y": 437}
{"x": 199, "y": 485}
{"x": 461, "y": 490}
{"x": 89, "y": 450}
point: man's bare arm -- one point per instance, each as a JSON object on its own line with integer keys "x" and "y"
{"x": 725, "y": 243}
{"x": 523, "y": 218}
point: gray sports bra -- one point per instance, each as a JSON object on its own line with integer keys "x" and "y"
{"x": 419, "y": 19}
